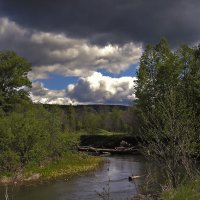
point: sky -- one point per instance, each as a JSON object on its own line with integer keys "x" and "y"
{"x": 88, "y": 51}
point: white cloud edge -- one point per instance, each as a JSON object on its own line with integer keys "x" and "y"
{"x": 94, "y": 89}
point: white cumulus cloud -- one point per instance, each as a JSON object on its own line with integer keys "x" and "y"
{"x": 40, "y": 94}
{"x": 102, "y": 89}
{"x": 96, "y": 89}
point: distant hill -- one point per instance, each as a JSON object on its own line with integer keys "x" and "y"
{"x": 93, "y": 107}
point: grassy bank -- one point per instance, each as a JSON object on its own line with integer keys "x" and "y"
{"x": 70, "y": 165}
{"x": 190, "y": 191}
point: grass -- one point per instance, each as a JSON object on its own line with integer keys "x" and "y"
{"x": 71, "y": 164}
{"x": 190, "y": 191}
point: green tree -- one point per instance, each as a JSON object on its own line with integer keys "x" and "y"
{"x": 31, "y": 136}
{"x": 13, "y": 79}
{"x": 71, "y": 118}
{"x": 159, "y": 70}
{"x": 190, "y": 62}
{"x": 9, "y": 159}
{"x": 54, "y": 128}
{"x": 91, "y": 120}
{"x": 169, "y": 138}
{"x": 166, "y": 104}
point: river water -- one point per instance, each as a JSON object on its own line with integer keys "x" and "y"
{"x": 112, "y": 177}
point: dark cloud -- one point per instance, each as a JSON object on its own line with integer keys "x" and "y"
{"x": 110, "y": 21}
{"x": 56, "y": 53}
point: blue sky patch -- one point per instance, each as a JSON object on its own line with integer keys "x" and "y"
{"x": 131, "y": 71}
{"x": 58, "y": 82}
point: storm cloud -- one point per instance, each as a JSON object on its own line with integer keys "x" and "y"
{"x": 81, "y": 38}
{"x": 56, "y": 53}
{"x": 110, "y": 21}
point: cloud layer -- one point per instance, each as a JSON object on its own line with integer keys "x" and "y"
{"x": 77, "y": 38}
{"x": 57, "y": 53}
{"x": 96, "y": 89}
{"x": 110, "y": 21}
{"x": 40, "y": 94}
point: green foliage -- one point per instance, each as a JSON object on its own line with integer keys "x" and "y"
{"x": 162, "y": 70}
{"x": 30, "y": 135}
{"x": 13, "y": 79}
{"x": 9, "y": 161}
{"x": 168, "y": 91}
{"x": 71, "y": 119}
{"x": 89, "y": 120}
{"x": 34, "y": 135}
{"x": 159, "y": 72}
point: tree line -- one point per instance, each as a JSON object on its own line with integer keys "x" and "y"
{"x": 92, "y": 118}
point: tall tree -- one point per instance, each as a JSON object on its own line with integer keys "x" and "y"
{"x": 159, "y": 70}
{"x": 165, "y": 101}
{"x": 13, "y": 79}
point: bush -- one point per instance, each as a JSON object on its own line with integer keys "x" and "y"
{"x": 9, "y": 161}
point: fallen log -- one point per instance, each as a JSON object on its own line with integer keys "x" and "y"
{"x": 131, "y": 178}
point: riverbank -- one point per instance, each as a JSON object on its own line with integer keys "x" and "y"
{"x": 187, "y": 191}
{"x": 70, "y": 165}
{"x": 111, "y": 176}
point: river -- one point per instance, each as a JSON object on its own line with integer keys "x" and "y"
{"x": 112, "y": 176}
